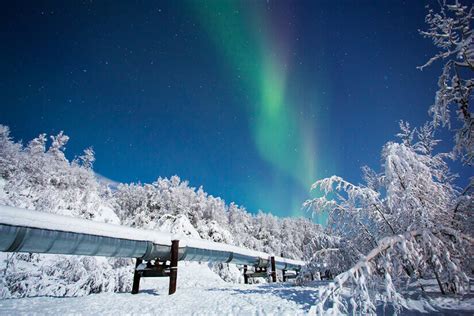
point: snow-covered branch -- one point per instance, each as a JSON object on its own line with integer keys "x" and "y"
{"x": 382, "y": 266}
{"x": 450, "y": 29}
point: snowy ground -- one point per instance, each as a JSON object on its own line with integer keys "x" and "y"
{"x": 200, "y": 292}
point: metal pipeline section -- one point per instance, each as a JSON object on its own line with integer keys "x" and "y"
{"x": 40, "y": 240}
{"x": 203, "y": 250}
{"x": 39, "y": 232}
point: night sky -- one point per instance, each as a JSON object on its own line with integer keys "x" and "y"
{"x": 253, "y": 100}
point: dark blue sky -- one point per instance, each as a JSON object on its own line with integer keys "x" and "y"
{"x": 148, "y": 85}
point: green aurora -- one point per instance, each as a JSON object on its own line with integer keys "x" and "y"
{"x": 247, "y": 39}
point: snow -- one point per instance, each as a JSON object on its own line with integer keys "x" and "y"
{"x": 2, "y": 185}
{"x": 201, "y": 292}
{"x": 176, "y": 225}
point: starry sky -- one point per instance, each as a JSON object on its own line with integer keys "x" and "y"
{"x": 254, "y": 100}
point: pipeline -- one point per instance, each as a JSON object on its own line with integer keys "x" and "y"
{"x": 39, "y": 232}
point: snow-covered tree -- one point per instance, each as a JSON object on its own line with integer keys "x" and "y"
{"x": 10, "y": 153}
{"x": 399, "y": 227}
{"x": 87, "y": 159}
{"x": 450, "y": 29}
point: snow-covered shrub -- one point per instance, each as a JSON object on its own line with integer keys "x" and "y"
{"x": 177, "y": 225}
{"x": 52, "y": 275}
{"x": 383, "y": 272}
{"x": 228, "y": 272}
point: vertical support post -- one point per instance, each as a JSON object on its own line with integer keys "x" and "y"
{"x": 136, "y": 277}
{"x": 284, "y": 275}
{"x": 173, "y": 266}
{"x": 246, "y": 277}
{"x": 274, "y": 273}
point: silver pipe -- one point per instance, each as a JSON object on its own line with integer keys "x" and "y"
{"x": 31, "y": 231}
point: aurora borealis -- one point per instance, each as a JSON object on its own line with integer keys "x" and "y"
{"x": 257, "y": 51}
{"x": 253, "y": 100}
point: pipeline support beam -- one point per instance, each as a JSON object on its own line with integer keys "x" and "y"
{"x": 273, "y": 266}
{"x": 136, "y": 277}
{"x": 246, "y": 277}
{"x": 173, "y": 266}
